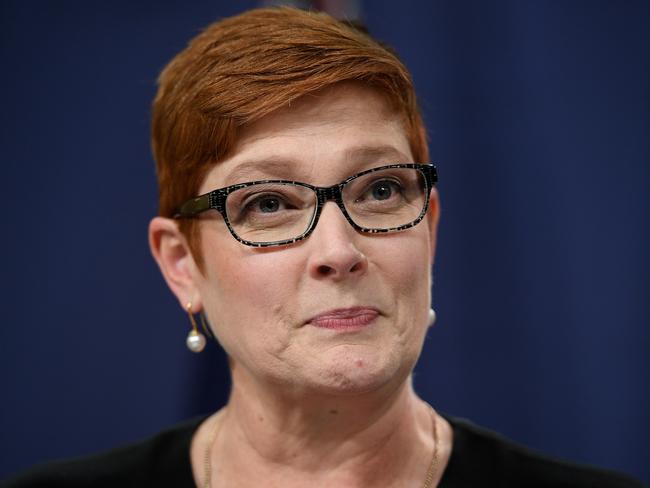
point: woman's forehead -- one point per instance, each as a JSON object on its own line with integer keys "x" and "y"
{"x": 341, "y": 130}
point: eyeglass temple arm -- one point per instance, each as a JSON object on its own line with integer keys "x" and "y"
{"x": 193, "y": 207}
{"x": 432, "y": 175}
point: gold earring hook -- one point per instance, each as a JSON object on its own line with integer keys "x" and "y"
{"x": 204, "y": 324}
{"x": 191, "y": 315}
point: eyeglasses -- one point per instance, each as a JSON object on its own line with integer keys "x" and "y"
{"x": 278, "y": 212}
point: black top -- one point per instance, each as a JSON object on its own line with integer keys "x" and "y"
{"x": 479, "y": 458}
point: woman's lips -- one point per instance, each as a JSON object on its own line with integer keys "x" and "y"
{"x": 345, "y": 318}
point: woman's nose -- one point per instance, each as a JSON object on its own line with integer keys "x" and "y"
{"x": 333, "y": 247}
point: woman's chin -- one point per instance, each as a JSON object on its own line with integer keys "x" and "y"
{"x": 344, "y": 369}
{"x": 356, "y": 374}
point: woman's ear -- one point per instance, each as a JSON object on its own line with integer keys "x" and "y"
{"x": 171, "y": 251}
{"x": 433, "y": 216}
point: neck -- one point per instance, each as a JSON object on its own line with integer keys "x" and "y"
{"x": 381, "y": 437}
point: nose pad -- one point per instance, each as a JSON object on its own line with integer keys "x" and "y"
{"x": 334, "y": 246}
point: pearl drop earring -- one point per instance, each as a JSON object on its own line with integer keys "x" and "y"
{"x": 195, "y": 340}
{"x": 432, "y": 317}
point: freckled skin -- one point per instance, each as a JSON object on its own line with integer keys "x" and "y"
{"x": 259, "y": 300}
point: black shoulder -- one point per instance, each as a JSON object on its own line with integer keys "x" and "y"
{"x": 161, "y": 460}
{"x": 483, "y": 458}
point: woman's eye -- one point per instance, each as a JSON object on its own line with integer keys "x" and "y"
{"x": 383, "y": 190}
{"x": 268, "y": 205}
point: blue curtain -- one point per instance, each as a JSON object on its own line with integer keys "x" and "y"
{"x": 539, "y": 120}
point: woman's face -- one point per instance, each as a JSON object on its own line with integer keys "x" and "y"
{"x": 340, "y": 311}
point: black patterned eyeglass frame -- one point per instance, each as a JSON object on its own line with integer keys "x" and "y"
{"x": 216, "y": 199}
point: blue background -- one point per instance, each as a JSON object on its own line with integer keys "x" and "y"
{"x": 539, "y": 118}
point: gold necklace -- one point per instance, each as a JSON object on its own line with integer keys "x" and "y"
{"x": 207, "y": 460}
{"x": 434, "y": 457}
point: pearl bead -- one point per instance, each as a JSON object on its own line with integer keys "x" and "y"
{"x": 195, "y": 341}
{"x": 432, "y": 317}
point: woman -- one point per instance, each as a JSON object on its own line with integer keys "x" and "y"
{"x": 298, "y": 214}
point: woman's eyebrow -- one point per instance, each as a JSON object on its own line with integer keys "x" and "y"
{"x": 370, "y": 154}
{"x": 284, "y": 167}
{"x": 269, "y": 167}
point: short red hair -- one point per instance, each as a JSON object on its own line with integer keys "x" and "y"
{"x": 245, "y": 67}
